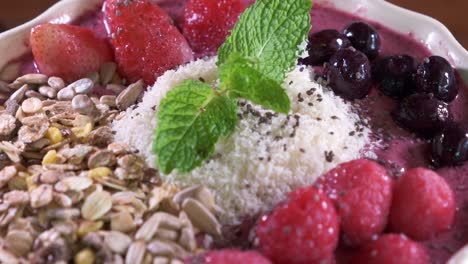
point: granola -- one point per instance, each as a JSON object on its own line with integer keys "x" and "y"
{"x": 69, "y": 193}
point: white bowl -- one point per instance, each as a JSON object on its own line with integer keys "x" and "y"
{"x": 434, "y": 35}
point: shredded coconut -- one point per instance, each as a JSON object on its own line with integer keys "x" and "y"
{"x": 269, "y": 154}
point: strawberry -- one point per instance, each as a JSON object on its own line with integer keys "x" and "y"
{"x": 304, "y": 229}
{"x": 207, "y": 23}
{"x": 145, "y": 42}
{"x": 230, "y": 256}
{"x": 362, "y": 193}
{"x": 392, "y": 249}
{"x": 423, "y": 204}
{"x": 70, "y": 52}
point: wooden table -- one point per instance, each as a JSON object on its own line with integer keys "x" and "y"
{"x": 452, "y": 13}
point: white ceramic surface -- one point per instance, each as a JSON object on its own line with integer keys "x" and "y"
{"x": 429, "y": 31}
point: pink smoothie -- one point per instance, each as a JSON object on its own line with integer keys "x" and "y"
{"x": 399, "y": 149}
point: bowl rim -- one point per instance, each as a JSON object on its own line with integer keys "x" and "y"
{"x": 14, "y": 42}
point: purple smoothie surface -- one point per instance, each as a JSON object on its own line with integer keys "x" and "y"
{"x": 398, "y": 150}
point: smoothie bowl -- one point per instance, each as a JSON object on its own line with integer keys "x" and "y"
{"x": 199, "y": 131}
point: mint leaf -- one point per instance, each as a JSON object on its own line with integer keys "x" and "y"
{"x": 239, "y": 77}
{"x": 269, "y": 32}
{"x": 191, "y": 119}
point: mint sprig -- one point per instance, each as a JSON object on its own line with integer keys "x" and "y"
{"x": 191, "y": 119}
{"x": 270, "y": 33}
{"x": 239, "y": 76}
{"x": 253, "y": 63}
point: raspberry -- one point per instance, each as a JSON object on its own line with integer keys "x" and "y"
{"x": 392, "y": 249}
{"x": 230, "y": 256}
{"x": 304, "y": 229}
{"x": 362, "y": 192}
{"x": 423, "y": 204}
{"x": 207, "y": 23}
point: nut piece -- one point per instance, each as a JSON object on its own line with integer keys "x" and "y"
{"x": 66, "y": 94}
{"x": 102, "y": 158}
{"x": 41, "y": 196}
{"x": 83, "y": 104}
{"x": 101, "y": 137}
{"x": 31, "y": 105}
{"x": 96, "y": 205}
{"x": 48, "y": 91}
{"x": 56, "y": 82}
{"x": 7, "y": 125}
{"x": 130, "y": 95}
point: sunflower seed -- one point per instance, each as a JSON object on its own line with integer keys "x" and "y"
{"x": 123, "y": 222}
{"x": 130, "y": 95}
{"x": 160, "y": 219}
{"x": 108, "y": 100}
{"x": 34, "y": 94}
{"x": 160, "y": 260}
{"x": 117, "y": 241}
{"x": 201, "y": 217}
{"x": 135, "y": 253}
{"x": 107, "y": 72}
{"x": 32, "y": 78}
{"x": 19, "y": 94}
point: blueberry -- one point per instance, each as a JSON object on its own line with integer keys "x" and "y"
{"x": 436, "y": 75}
{"x": 423, "y": 114}
{"x": 323, "y": 44}
{"x": 349, "y": 74}
{"x": 364, "y": 37}
{"x": 450, "y": 147}
{"x": 394, "y": 75}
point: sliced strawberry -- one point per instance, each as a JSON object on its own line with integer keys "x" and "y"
{"x": 145, "y": 42}
{"x": 70, "y": 52}
{"x": 207, "y": 23}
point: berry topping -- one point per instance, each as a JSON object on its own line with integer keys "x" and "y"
{"x": 230, "y": 256}
{"x": 450, "y": 146}
{"x": 303, "y": 230}
{"x": 145, "y": 42}
{"x": 423, "y": 204}
{"x": 351, "y": 183}
{"x": 207, "y": 23}
{"x": 436, "y": 75}
{"x": 324, "y": 44}
{"x": 392, "y": 249}
{"x": 423, "y": 114}
{"x": 394, "y": 75}
{"x": 364, "y": 38}
{"x": 349, "y": 74}
{"x": 70, "y": 52}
